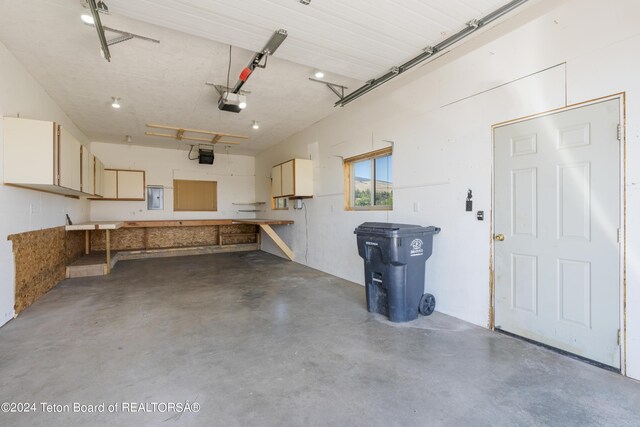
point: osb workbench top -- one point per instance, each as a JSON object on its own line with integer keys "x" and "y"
{"x": 101, "y": 225}
{"x": 201, "y": 222}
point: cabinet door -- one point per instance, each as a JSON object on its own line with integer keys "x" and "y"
{"x": 87, "y": 170}
{"x": 99, "y": 178}
{"x": 29, "y": 151}
{"x": 110, "y": 178}
{"x": 288, "y": 181}
{"x": 91, "y": 170}
{"x": 303, "y": 178}
{"x": 276, "y": 181}
{"x": 130, "y": 185}
{"x": 69, "y": 161}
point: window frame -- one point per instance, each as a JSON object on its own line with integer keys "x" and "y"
{"x": 349, "y": 180}
{"x": 274, "y": 203}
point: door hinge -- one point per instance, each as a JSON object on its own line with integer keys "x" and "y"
{"x": 619, "y": 133}
{"x": 618, "y": 336}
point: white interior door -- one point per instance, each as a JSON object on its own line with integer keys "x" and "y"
{"x": 557, "y": 205}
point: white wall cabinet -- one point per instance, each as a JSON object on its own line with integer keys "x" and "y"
{"x": 276, "y": 181}
{"x": 98, "y": 171}
{"x": 88, "y": 172}
{"x": 124, "y": 185}
{"x": 293, "y": 178}
{"x": 42, "y": 155}
{"x": 69, "y": 170}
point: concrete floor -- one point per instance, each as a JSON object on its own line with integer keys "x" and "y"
{"x": 256, "y": 340}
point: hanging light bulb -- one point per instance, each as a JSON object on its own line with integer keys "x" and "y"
{"x": 87, "y": 19}
{"x": 116, "y": 102}
{"x": 256, "y": 125}
{"x": 242, "y": 102}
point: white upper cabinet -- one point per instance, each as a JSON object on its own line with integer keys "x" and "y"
{"x": 293, "y": 178}
{"x": 69, "y": 160}
{"x": 44, "y": 156}
{"x": 88, "y": 172}
{"x": 110, "y": 184}
{"x": 123, "y": 185}
{"x": 276, "y": 181}
{"x": 131, "y": 185}
{"x": 98, "y": 178}
{"x": 30, "y": 152}
{"x": 288, "y": 180}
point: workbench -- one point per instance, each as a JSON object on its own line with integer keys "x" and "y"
{"x": 197, "y": 236}
{"x": 87, "y": 227}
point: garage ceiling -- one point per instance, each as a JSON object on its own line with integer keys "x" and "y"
{"x": 352, "y": 41}
{"x": 360, "y": 39}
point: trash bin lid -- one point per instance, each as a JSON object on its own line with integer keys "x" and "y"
{"x": 388, "y": 229}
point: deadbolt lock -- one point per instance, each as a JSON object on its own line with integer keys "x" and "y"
{"x": 499, "y": 237}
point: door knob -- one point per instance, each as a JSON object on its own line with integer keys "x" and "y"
{"x": 499, "y": 237}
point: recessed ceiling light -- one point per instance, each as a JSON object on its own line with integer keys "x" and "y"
{"x": 115, "y": 102}
{"x": 87, "y": 19}
{"x": 319, "y": 74}
{"x": 256, "y": 125}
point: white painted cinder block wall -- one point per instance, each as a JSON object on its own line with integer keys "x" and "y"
{"x": 439, "y": 118}
{"x": 25, "y": 210}
{"x": 235, "y": 176}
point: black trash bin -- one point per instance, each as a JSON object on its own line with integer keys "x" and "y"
{"x": 394, "y": 257}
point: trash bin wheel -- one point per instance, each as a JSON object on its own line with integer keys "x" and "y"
{"x": 427, "y": 304}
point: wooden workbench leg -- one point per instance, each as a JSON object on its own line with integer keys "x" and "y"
{"x": 277, "y": 240}
{"x": 87, "y": 242}
{"x": 108, "y": 247}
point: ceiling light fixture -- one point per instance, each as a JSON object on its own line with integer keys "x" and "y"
{"x": 115, "y": 102}
{"x": 319, "y": 74}
{"x": 87, "y": 19}
{"x": 242, "y": 102}
{"x": 128, "y": 139}
{"x": 256, "y": 125}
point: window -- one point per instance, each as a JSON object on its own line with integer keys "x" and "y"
{"x": 195, "y": 196}
{"x": 369, "y": 181}
{"x": 279, "y": 203}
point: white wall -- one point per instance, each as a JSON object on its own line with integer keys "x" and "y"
{"x": 235, "y": 176}
{"x": 25, "y": 210}
{"x": 571, "y": 51}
